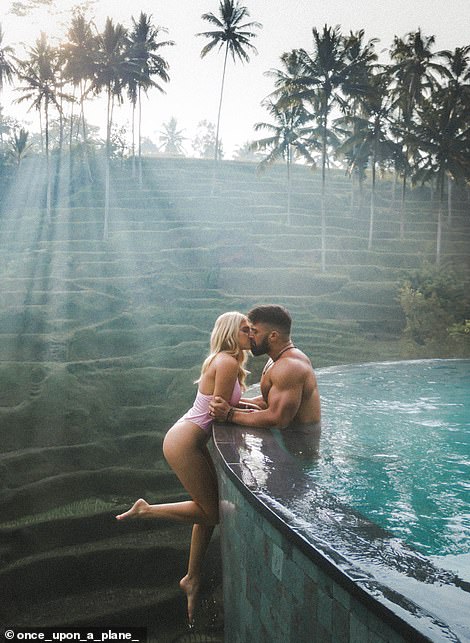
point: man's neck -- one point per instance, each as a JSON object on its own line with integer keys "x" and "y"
{"x": 278, "y": 350}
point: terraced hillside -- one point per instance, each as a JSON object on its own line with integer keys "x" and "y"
{"x": 100, "y": 342}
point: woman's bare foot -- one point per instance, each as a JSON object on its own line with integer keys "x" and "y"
{"x": 190, "y": 587}
{"x": 138, "y": 510}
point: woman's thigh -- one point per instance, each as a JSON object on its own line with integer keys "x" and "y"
{"x": 186, "y": 452}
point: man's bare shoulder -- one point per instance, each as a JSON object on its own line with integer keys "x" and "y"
{"x": 298, "y": 360}
{"x": 300, "y": 355}
{"x": 294, "y": 367}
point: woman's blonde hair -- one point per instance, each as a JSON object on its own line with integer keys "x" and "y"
{"x": 224, "y": 338}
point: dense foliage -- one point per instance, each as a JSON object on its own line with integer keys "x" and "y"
{"x": 437, "y": 312}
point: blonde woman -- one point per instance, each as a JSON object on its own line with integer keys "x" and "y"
{"x": 185, "y": 446}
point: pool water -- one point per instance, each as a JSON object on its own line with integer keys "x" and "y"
{"x": 395, "y": 445}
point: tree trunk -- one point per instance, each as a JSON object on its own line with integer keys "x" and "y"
{"x": 216, "y": 153}
{"x": 133, "y": 141}
{"x": 372, "y": 204}
{"x": 323, "y": 190}
{"x": 352, "y": 202}
{"x": 82, "y": 122}
{"x": 402, "y": 207}
{"x": 139, "y": 134}
{"x": 289, "y": 186}
{"x": 431, "y": 187}
{"x": 85, "y": 146}
{"x": 394, "y": 190}
{"x": 439, "y": 221}
{"x": 449, "y": 200}
{"x": 107, "y": 168}
{"x": 71, "y": 122}
{"x": 48, "y": 164}
{"x": 360, "y": 206}
{"x": 41, "y": 129}
{"x": 61, "y": 126}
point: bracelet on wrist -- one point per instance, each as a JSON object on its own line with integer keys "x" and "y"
{"x": 230, "y": 414}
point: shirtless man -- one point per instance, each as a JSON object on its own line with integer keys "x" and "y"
{"x": 289, "y": 392}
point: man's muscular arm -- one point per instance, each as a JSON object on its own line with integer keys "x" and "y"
{"x": 284, "y": 400}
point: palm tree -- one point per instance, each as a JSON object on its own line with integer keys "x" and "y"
{"x": 290, "y": 137}
{"x": 112, "y": 68}
{"x": 41, "y": 75}
{"x": 234, "y": 36}
{"x": 285, "y": 77}
{"x": 7, "y": 68}
{"x": 362, "y": 58}
{"x": 294, "y": 132}
{"x": 143, "y": 48}
{"x": 7, "y": 71}
{"x": 370, "y": 135}
{"x": 323, "y": 74}
{"x": 443, "y": 136}
{"x": 172, "y": 138}
{"x": 79, "y": 54}
{"x": 5, "y": 127}
{"x": 19, "y": 145}
{"x": 204, "y": 141}
{"x": 415, "y": 70}
{"x": 457, "y": 64}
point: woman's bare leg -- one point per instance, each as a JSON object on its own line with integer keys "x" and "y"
{"x": 185, "y": 450}
{"x": 190, "y": 584}
{"x": 186, "y": 511}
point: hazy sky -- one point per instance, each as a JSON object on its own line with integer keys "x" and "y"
{"x": 192, "y": 94}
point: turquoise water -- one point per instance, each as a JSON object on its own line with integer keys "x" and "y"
{"x": 395, "y": 446}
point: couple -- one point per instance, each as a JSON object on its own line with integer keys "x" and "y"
{"x": 289, "y": 395}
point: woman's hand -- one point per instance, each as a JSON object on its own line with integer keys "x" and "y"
{"x": 219, "y": 408}
{"x": 248, "y": 406}
{"x": 256, "y": 403}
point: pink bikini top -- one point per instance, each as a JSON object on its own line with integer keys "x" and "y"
{"x": 199, "y": 412}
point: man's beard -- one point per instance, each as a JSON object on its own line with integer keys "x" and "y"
{"x": 260, "y": 349}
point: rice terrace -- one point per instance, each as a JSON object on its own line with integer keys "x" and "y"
{"x": 100, "y": 343}
{"x": 113, "y": 269}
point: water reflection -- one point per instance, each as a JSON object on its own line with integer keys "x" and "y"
{"x": 397, "y": 448}
{"x": 302, "y": 441}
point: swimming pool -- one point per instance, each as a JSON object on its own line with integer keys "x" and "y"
{"x": 396, "y": 446}
{"x": 302, "y": 559}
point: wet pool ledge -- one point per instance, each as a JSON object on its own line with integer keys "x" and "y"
{"x": 288, "y": 577}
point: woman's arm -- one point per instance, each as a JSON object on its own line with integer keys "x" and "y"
{"x": 226, "y": 374}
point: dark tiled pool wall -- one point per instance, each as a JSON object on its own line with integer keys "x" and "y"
{"x": 273, "y": 593}
{"x": 299, "y": 566}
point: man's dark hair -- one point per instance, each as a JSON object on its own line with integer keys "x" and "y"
{"x": 276, "y": 316}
